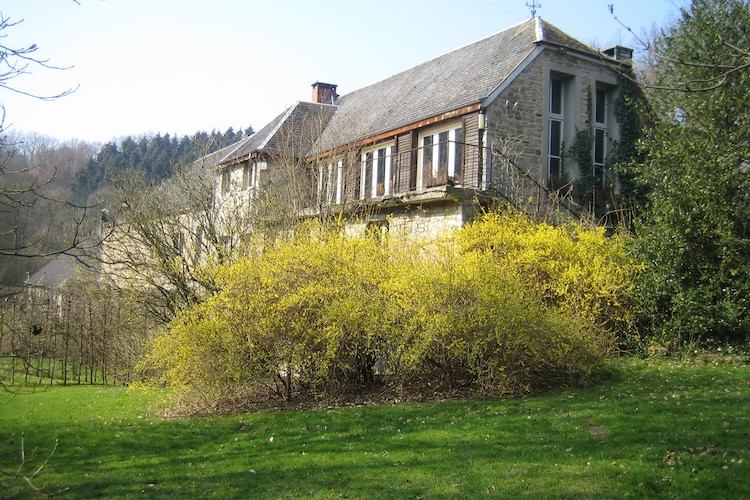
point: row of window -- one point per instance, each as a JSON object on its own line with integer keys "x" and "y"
{"x": 441, "y": 154}
{"x": 250, "y": 176}
{"x": 440, "y": 161}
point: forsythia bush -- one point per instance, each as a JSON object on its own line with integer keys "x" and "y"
{"x": 502, "y": 305}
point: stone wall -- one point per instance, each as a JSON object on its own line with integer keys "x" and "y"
{"x": 517, "y": 126}
{"x": 427, "y": 221}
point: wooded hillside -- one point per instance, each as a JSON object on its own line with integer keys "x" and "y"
{"x": 71, "y": 180}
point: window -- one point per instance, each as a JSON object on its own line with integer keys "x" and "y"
{"x": 556, "y": 123}
{"x": 226, "y": 180}
{"x": 250, "y": 176}
{"x": 339, "y": 182}
{"x": 380, "y": 172}
{"x": 246, "y": 175}
{"x": 600, "y": 131}
{"x": 441, "y": 156}
{"x": 376, "y": 172}
{"x": 325, "y": 183}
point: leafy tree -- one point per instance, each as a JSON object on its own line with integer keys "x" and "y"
{"x": 695, "y": 229}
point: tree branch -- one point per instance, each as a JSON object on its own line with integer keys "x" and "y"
{"x": 697, "y": 84}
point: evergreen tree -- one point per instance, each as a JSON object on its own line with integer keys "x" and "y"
{"x": 157, "y": 157}
{"x": 695, "y": 230}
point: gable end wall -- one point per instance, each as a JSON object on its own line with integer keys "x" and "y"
{"x": 517, "y": 134}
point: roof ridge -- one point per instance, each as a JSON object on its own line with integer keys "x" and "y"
{"x": 444, "y": 54}
{"x": 273, "y": 131}
{"x": 237, "y": 145}
{"x": 468, "y": 44}
{"x": 539, "y": 29}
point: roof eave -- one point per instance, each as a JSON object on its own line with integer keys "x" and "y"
{"x": 387, "y": 134}
{"x": 520, "y": 68}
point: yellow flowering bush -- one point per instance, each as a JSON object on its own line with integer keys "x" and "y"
{"x": 502, "y": 305}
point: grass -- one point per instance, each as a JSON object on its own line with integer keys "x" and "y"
{"x": 656, "y": 430}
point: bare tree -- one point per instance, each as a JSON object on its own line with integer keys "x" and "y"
{"x": 17, "y": 61}
{"x": 26, "y": 188}
{"x": 700, "y": 74}
{"x": 161, "y": 241}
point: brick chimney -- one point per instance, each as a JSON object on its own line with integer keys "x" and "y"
{"x": 324, "y": 93}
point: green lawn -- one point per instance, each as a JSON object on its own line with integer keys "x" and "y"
{"x": 656, "y": 430}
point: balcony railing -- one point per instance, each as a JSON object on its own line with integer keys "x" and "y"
{"x": 445, "y": 164}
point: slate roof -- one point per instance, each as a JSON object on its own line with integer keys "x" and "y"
{"x": 294, "y": 130}
{"x": 462, "y": 77}
{"x": 54, "y": 273}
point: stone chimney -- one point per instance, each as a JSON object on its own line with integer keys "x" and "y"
{"x": 324, "y": 93}
{"x": 619, "y": 53}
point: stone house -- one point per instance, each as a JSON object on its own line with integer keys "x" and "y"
{"x": 490, "y": 122}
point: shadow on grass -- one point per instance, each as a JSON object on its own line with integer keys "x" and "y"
{"x": 654, "y": 431}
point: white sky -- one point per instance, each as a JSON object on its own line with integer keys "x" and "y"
{"x": 183, "y": 66}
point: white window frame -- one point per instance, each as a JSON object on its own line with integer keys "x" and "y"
{"x": 339, "y": 182}
{"x": 383, "y": 150}
{"x": 601, "y": 128}
{"x": 331, "y": 183}
{"x": 226, "y": 181}
{"x": 556, "y": 118}
{"x": 326, "y": 188}
{"x": 450, "y": 127}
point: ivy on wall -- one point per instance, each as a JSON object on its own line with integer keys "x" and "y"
{"x": 606, "y": 191}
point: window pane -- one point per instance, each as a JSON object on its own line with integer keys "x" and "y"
{"x": 555, "y": 149}
{"x": 599, "y": 143}
{"x": 555, "y": 168}
{"x": 381, "y": 172}
{"x": 555, "y": 137}
{"x": 601, "y": 106}
{"x": 368, "y": 175}
{"x": 443, "y": 154}
{"x": 555, "y": 97}
{"x": 459, "y": 158}
{"x": 427, "y": 154}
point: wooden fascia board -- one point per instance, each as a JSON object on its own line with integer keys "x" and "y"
{"x": 401, "y": 130}
{"x": 242, "y": 159}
